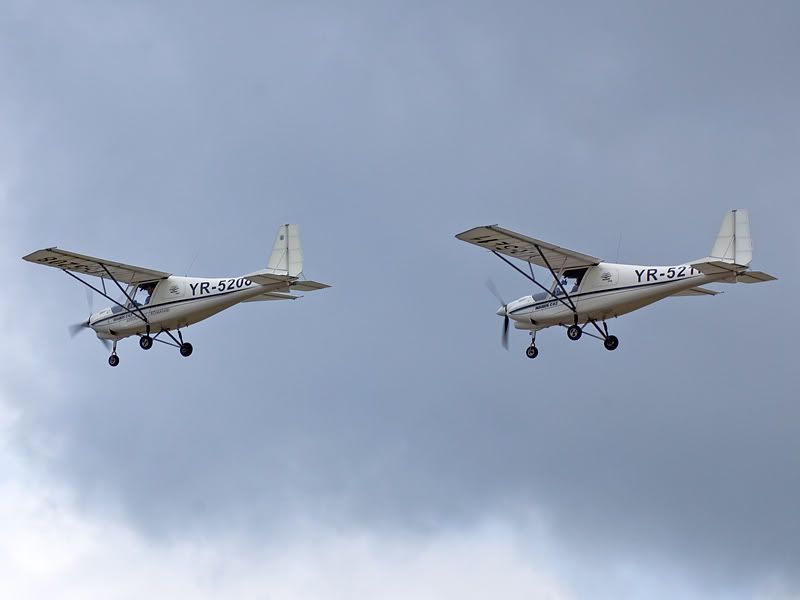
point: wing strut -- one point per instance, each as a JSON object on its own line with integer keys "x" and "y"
{"x": 558, "y": 280}
{"x": 570, "y": 306}
{"x": 138, "y": 312}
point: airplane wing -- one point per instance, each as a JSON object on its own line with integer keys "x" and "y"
{"x": 88, "y": 265}
{"x": 530, "y": 250}
{"x": 697, "y": 291}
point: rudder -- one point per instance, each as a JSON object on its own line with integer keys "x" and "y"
{"x": 733, "y": 243}
{"x": 287, "y": 253}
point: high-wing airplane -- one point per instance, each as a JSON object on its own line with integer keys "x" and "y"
{"x": 155, "y": 303}
{"x": 587, "y": 291}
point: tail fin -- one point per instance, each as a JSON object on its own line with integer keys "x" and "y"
{"x": 287, "y": 254}
{"x": 732, "y": 252}
{"x": 733, "y": 243}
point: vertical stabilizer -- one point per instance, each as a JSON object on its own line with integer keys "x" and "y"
{"x": 287, "y": 254}
{"x": 733, "y": 243}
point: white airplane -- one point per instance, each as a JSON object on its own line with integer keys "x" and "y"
{"x": 600, "y": 290}
{"x": 155, "y": 303}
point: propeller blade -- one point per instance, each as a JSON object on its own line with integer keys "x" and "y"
{"x": 493, "y": 289}
{"x": 505, "y": 332}
{"x": 89, "y": 299}
{"x": 106, "y": 343}
{"x": 76, "y": 328}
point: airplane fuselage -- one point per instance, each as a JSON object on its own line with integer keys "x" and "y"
{"x": 176, "y": 302}
{"x": 606, "y": 290}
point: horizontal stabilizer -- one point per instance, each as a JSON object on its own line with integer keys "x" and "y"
{"x": 272, "y": 296}
{"x": 717, "y": 267}
{"x": 697, "y": 291}
{"x": 755, "y": 277}
{"x": 264, "y": 278}
{"x": 270, "y": 279}
{"x": 306, "y": 285}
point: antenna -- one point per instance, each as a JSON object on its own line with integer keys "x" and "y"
{"x": 191, "y": 264}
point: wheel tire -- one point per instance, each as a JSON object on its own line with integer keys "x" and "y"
{"x": 186, "y": 349}
{"x": 611, "y": 342}
{"x": 532, "y": 352}
{"x": 574, "y": 332}
{"x": 113, "y": 360}
{"x": 146, "y": 342}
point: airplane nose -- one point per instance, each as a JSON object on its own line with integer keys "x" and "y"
{"x": 502, "y": 311}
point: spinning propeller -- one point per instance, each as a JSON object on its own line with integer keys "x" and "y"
{"x": 76, "y": 328}
{"x": 502, "y": 311}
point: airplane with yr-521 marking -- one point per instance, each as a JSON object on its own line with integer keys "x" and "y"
{"x": 600, "y": 290}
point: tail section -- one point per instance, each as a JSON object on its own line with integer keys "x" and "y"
{"x": 733, "y": 252}
{"x": 287, "y": 253}
{"x": 285, "y": 267}
{"x": 733, "y": 243}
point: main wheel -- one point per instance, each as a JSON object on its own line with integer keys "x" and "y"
{"x": 113, "y": 360}
{"x": 611, "y": 342}
{"x": 146, "y": 342}
{"x": 186, "y": 349}
{"x": 574, "y": 332}
{"x": 532, "y": 352}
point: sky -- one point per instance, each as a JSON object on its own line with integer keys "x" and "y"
{"x": 374, "y": 439}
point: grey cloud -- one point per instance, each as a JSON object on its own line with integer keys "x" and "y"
{"x": 147, "y": 134}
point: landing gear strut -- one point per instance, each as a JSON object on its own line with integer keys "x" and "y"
{"x": 532, "y": 351}
{"x": 610, "y": 342}
{"x": 185, "y": 348}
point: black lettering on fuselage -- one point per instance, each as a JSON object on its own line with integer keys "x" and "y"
{"x": 652, "y": 275}
{"x": 639, "y": 274}
{"x": 194, "y": 288}
{"x": 204, "y": 287}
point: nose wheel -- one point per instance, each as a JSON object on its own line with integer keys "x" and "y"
{"x": 531, "y": 351}
{"x": 113, "y": 360}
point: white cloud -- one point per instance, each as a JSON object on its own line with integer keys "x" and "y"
{"x": 49, "y": 549}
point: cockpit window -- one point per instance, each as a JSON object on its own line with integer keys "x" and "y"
{"x": 141, "y": 293}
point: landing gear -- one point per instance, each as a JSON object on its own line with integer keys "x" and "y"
{"x": 186, "y": 349}
{"x": 113, "y": 360}
{"x": 532, "y": 351}
{"x": 146, "y": 342}
{"x": 611, "y": 342}
{"x": 574, "y": 332}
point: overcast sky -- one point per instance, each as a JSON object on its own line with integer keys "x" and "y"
{"x": 374, "y": 439}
